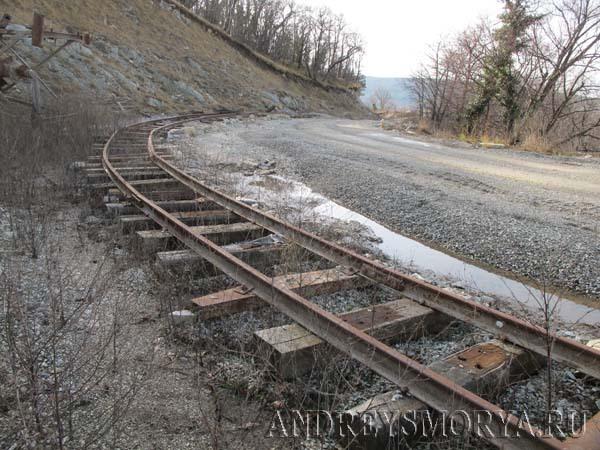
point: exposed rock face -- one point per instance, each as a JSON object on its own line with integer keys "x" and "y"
{"x": 148, "y": 56}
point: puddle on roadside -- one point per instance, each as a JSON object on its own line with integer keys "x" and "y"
{"x": 410, "y": 253}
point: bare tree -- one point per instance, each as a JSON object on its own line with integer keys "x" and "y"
{"x": 566, "y": 51}
{"x": 433, "y": 85}
{"x": 535, "y": 75}
{"x": 381, "y": 100}
{"x": 316, "y": 41}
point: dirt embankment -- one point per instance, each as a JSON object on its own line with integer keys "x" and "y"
{"x": 148, "y": 57}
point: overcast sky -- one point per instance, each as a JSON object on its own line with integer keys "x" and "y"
{"x": 397, "y": 32}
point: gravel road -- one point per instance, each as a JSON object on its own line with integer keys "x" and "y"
{"x": 529, "y": 214}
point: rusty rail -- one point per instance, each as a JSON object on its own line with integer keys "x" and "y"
{"x": 428, "y": 386}
{"x": 502, "y": 325}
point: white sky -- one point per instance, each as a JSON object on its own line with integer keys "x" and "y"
{"x": 397, "y": 32}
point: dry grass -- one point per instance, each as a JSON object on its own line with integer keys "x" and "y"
{"x": 423, "y": 127}
{"x": 51, "y": 361}
{"x": 536, "y": 143}
{"x": 532, "y": 140}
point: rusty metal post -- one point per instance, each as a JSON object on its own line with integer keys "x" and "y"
{"x": 37, "y": 31}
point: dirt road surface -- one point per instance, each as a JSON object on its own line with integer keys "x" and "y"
{"x": 529, "y": 214}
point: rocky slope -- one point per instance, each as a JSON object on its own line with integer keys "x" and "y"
{"x": 147, "y": 56}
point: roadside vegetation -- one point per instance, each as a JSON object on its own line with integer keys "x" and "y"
{"x": 530, "y": 79}
{"x": 56, "y": 342}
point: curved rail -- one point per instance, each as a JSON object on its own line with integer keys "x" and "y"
{"x": 504, "y": 326}
{"x": 428, "y": 386}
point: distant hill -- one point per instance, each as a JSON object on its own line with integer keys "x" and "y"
{"x": 398, "y": 87}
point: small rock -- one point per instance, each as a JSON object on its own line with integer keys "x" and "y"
{"x": 182, "y": 317}
{"x": 76, "y": 165}
{"x": 16, "y": 27}
{"x": 266, "y": 165}
{"x": 175, "y": 133}
{"x": 375, "y": 239}
{"x": 397, "y": 396}
{"x": 458, "y": 285}
{"x": 110, "y": 199}
{"x": 153, "y": 102}
{"x": 92, "y": 220}
{"x": 248, "y": 201}
{"x": 487, "y": 299}
{"x": 569, "y": 374}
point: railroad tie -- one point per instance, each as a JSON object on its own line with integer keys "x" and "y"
{"x": 294, "y": 351}
{"x": 123, "y": 169}
{"x": 114, "y": 195}
{"x": 260, "y": 257}
{"x": 133, "y": 175}
{"x": 126, "y": 208}
{"x": 151, "y": 241}
{"x": 238, "y": 299}
{"x": 97, "y": 159}
{"x": 140, "y": 184}
{"x": 139, "y": 222}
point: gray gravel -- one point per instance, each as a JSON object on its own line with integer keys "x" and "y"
{"x": 530, "y": 214}
{"x": 457, "y": 337}
{"x": 571, "y": 391}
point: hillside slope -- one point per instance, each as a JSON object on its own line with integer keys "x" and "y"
{"x": 147, "y": 55}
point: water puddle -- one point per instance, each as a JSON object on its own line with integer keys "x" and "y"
{"x": 279, "y": 191}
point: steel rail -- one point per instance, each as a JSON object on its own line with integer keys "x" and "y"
{"x": 426, "y": 385}
{"x": 502, "y": 325}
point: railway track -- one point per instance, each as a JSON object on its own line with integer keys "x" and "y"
{"x": 226, "y": 234}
